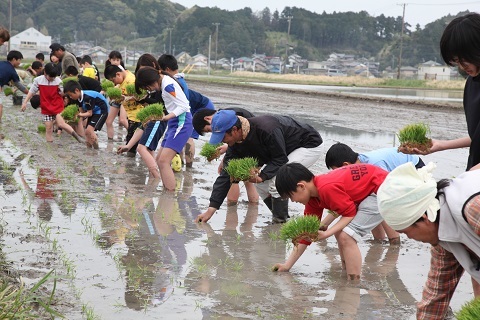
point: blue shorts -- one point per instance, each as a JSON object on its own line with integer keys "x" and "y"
{"x": 152, "y": 133}
{"x": 210, "y": 106}
{"x": 178, "y": 131}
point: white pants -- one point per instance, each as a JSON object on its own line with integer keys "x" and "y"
{"x": 305, "y": 156}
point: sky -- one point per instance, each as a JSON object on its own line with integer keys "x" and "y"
{"x": 418, "y": 11}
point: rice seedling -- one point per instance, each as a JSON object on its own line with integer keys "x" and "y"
{"x": 301, "y": 228}
{"x": 469, "y": 311}
{"x": 210, "y": 151}
{"x": 130, "y": 90}
{"x": 69, "y": 114}
{"x": 152, "y": 112}
{"x": 16, "y": 302}
{"x": 114, "y": 93}
{"x": 106, "y": 84}
{"x": 414, "y": 136}
{"x": 242, "y": 169}
{"x": 67, "y": 79}
{"x": 41, "y": 128}
{"x": 8, "y": 91}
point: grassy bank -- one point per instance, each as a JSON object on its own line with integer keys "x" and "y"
{"x": 242, "y": 76}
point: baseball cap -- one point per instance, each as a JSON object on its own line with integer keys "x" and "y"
{"x": 56, "y": 46}
{"x": 222, "y": 121}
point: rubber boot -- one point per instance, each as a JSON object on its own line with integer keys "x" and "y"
{"x": 280, "y": 210}
{"x": 268, "y": 202}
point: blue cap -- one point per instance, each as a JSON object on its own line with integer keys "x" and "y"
{"x": 222, "y": 121}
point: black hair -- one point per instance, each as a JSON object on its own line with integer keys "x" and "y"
{"x": 87, "y": 59}
{"x": 71, "y": 86}
{"x": 4, "y": 34}
{"x": 461, "y": 40}
{"x": 36, "y": 65}
{"x": 14, "y": 54}
{"x": 289, "y": 175}
{"x": 71, "y": 71}
{"x": 145, "y": 77}
{"x": 168, "y": 61}
{"x": 111, "y": 71}
{"x": 51, "y": 70}
{"x": 198, "y": 120}
{"x": 114, "y": 54}
{"x": 40, "y": 56}
{"x": 237, "y": 124}
{"x": 78, "y": 59}
{"x": 338, "y": 154}
{"x": 147, "y": 60}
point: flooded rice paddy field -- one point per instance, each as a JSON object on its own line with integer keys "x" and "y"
{"x": 124, "y": 249}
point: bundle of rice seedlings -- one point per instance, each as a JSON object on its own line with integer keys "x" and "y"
{"x": 114, "y": 93}
{"x": 130, "y": 90}
{"x": 41, "y": 128}
{"x": 301, "y": 228}
{"x": 469, "y": 311}
{"x": 8, "y": 91}
{"x": 25, "y": 66}
{"x": 64, "y": 81}
{"x": 414, "y": 136}
{"x": 242, "y": 169}
{"x": 152, "y": 112}
{"x": 106, "y": 84}
{"x": 210, "y": 151}
{"x": 69, "y": 114}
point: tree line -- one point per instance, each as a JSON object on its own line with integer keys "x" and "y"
{"x": 160, "y": 25}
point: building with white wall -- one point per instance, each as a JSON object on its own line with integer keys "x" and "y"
{"x": 30, "y": 42}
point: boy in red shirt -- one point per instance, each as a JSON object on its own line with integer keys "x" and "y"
{"x": 348, "y": 192}
{"x": 51, "y": 101}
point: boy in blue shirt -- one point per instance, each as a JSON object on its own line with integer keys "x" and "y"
{"x": 8, "y": 73}
{"x": 94, "y": 107}
{"x": 340, "y": 155}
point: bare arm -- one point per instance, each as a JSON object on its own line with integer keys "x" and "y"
{"x": 294, "y": 256}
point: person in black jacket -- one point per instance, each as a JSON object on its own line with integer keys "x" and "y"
{"x": 273, "y": 140}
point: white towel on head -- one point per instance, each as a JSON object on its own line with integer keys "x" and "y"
{"x": 407, "y": 194}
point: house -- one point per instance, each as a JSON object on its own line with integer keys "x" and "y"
{"x": 98, "y": 54}
{"x": 433, "y": 70}
{"x": 243, "y": 64}
{"x": 30, "y": 42}
{"x": 183, "y": 57}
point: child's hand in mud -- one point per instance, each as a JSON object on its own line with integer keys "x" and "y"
{"x": 280, "y": 267}
{"x": 122, "y": 149}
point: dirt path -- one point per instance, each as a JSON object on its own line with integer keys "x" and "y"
{"x": 125, "y": 249}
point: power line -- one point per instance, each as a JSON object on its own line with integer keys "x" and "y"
{"x": 442, "y": 4}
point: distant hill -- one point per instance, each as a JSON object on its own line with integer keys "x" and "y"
{"x": 145, "y": 24}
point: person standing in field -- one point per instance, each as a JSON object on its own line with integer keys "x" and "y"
{"x": 66, "y": 58}
{"x": 51, "y": 101}
{"x": 8, "y": 73}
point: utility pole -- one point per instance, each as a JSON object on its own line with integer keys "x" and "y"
{"x": 10, "y": 24}
{"x": 216, "y": 24}
{"x": 401, "y": 42}
{"x": 134, "y": 46}
{"x": 170, "y": 41}
{"x": 289, "y": 18}
{"x": 209, "y": 51}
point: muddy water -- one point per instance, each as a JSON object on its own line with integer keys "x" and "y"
{"x": 123, "y": 249}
